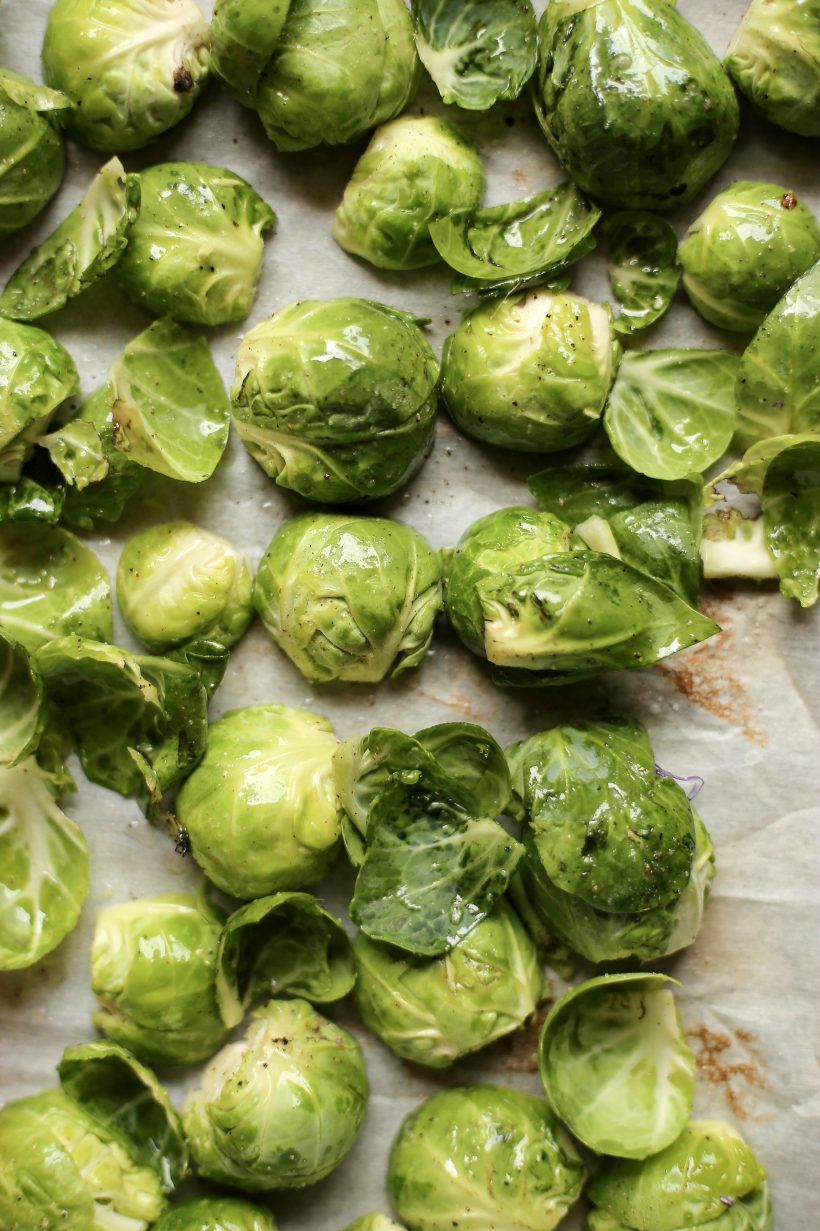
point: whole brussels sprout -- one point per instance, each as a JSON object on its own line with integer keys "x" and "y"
{"x": 37, "y": 375}
{"x": 177, "y": 583}
{"x": 336, "y": 399}
{"x": 195, "y": 251}
{"x": 153, "y": 965}
{"x": 349, "y": 598}
{"x": 498, "y": 1152}
{"x": 634, "y": 103}
{"x": 31, "y": 149}
{"x": 131, "y": 68}
{"x": 774, "y": 59}
{"x": 216, "y": 1214}
{"x": 317, "y": 73}
{"x": 260, "y": 809}
{"x": 434, "y": 1010}
{"x": 282, "y": 1107}
{"x": 414, "y": 171}
{"x": 531, "y": 372}
{"x": 745, "y": 250}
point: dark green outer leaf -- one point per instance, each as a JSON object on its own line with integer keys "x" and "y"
{"x": 471, "y": 758}
{"x": 643, "y": 268}
{"x": 476, "y": 53}
{"x": 27, "y": 500}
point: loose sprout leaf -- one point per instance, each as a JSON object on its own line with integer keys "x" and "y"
{"x": 517, "y": 245}
{"x": 36, "y": 376}
{"x": 471, "y": 757}
{"x": 28, "y": 500}
{"x": 127, "y": 1100}
{"x": 22, "y": 712}
{"x": 478, "y": 51}
{"x": 171, "y": 412}
{"x": 778, "y": 392}
{"x": 286, "y": 943}
{"x": 671, "y": 413}
{"x": 643, "y": 268}
{"x": 243, "y": 39}
{"x": 77, "y": 453}
{"x": 51, "y": 585}
{"x": 615, "y": 1065}
{"x": 79, "y": 252}
{"x": 30, "y": 94}
{"x": 43, "y": 867}
{"x": 140, "y": 723}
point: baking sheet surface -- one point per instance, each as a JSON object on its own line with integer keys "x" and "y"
{"x": 742, "y": 710}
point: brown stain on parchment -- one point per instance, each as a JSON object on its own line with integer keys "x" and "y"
{"x": 472, "y": 701}
{"x": 521, "y": 1047}
{"x": 737, "y": 1079}
{"x": 706, "y": 676}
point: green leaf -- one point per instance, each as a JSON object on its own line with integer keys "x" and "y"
{"x": 244, "y": 34}
{"x": 22, "y": 715}
{"x": 30, "y": 94}
{"x": 77, "y": 452}
{"x": 472, "y": 759}
{"x": 36, "y": 376}
{"x": 517, "y": 245}
{"x": 73, "y": 449}
{"x": 171, "y": 412}
{"x": 643, "y": 267}
{"x": 671, "y": 413}
{"x": 27, "y": 500}
{"x": 79, "y": 252}
{"x": 43, "y": 868}
{"x": 476, "y": 53}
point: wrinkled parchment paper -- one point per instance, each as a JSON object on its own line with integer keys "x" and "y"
{"x": 742, "y": 710}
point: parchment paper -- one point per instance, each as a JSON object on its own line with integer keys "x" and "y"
{"x": 742, "y": 710}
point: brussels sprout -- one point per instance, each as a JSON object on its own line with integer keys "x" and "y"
{"x": 244, "y": 34}
{"x": 413, "y": 171}
{"x": 531, "y": 372}
{"x": 435, "y": 1010}
{"x": 43, "y": 870}
{"x": 31, "y": 149}
{"x": 271, "y": 766}
{"x": 643, "y": 268}
{"x": 139, "y": 723}
{"x": 494, "y": 1152}
{"x": 632, "y": 100}
{"x": 79, "y": 252}
{"x": 696, "y": 1180}
{"x": 373, "y": 1222}
{"x": 36, "y": 376}
{"x": 282, "y": 1107}
{"x": 745, "y": 250}
{"x": 349, "y": 598}
{"x": 152, "y": 966}
{"x": 476, "y": 54}
{"x": 774, "y": 59}
{"x": 337, "y": 70}
{"x": 517, "y": 245}
{"x": 522, "y": 593}
{"x": 777, "y": 387}
{"x": 51, "y": 585}
{"x": 171, "y": 413}
{"x": 216, "y": 1214}
{"x": 671, "y": 413}
{"x": 639, "y": 885}
{"x": 177, "y": 582}
{"x": 130, "y": 68}
{"x": 195, "y": 252}
{"x": 336, "y": 399}
{"x": 615, "y": 1065}
{"x": 286, "y": 943}
{"x": 22, "y": 698}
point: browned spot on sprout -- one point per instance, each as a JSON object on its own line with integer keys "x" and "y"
{"x": 719, "y": 1062}
{"x": 183, "y": 81}
{"x": 788, "y": 200}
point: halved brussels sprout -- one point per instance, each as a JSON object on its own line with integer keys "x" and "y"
{"x": 497, "y": 1153}
{"x": 79, "y": 252}
{"x": 435, "y": 1010}
{"x": 130, "y": 68}
{"x": 153, "y": 965}
{"x": 216, "y": 1214}
{"x": 178, "y": 583}
{"x": 43, "y": 869}
{"x": 336, "y": 70}
{"x": 774, "y": 59}
{"x": 634, "y": 103}
{"x": 22, "y": 703}
{"x": 31, "y": 149}
{"x": 261, "y": 811}
{"x": 283, "y": 1106}
{"x": 195, "y": 252}
{"x": 349, "y": 598}
{"x": 697, "y": 1180}
{"x": 531, "y": 372}
{"x": 643, "y": 268}
{"x": 476, "y": 54}
{"x": 336, "y": 399}
{"x": 36, "y": 376}
{"x": 51, "y": 585}
{"x": 414, "y": 171}
{"x": 745, "y": 250}
{"x": 615, "y": 1065}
